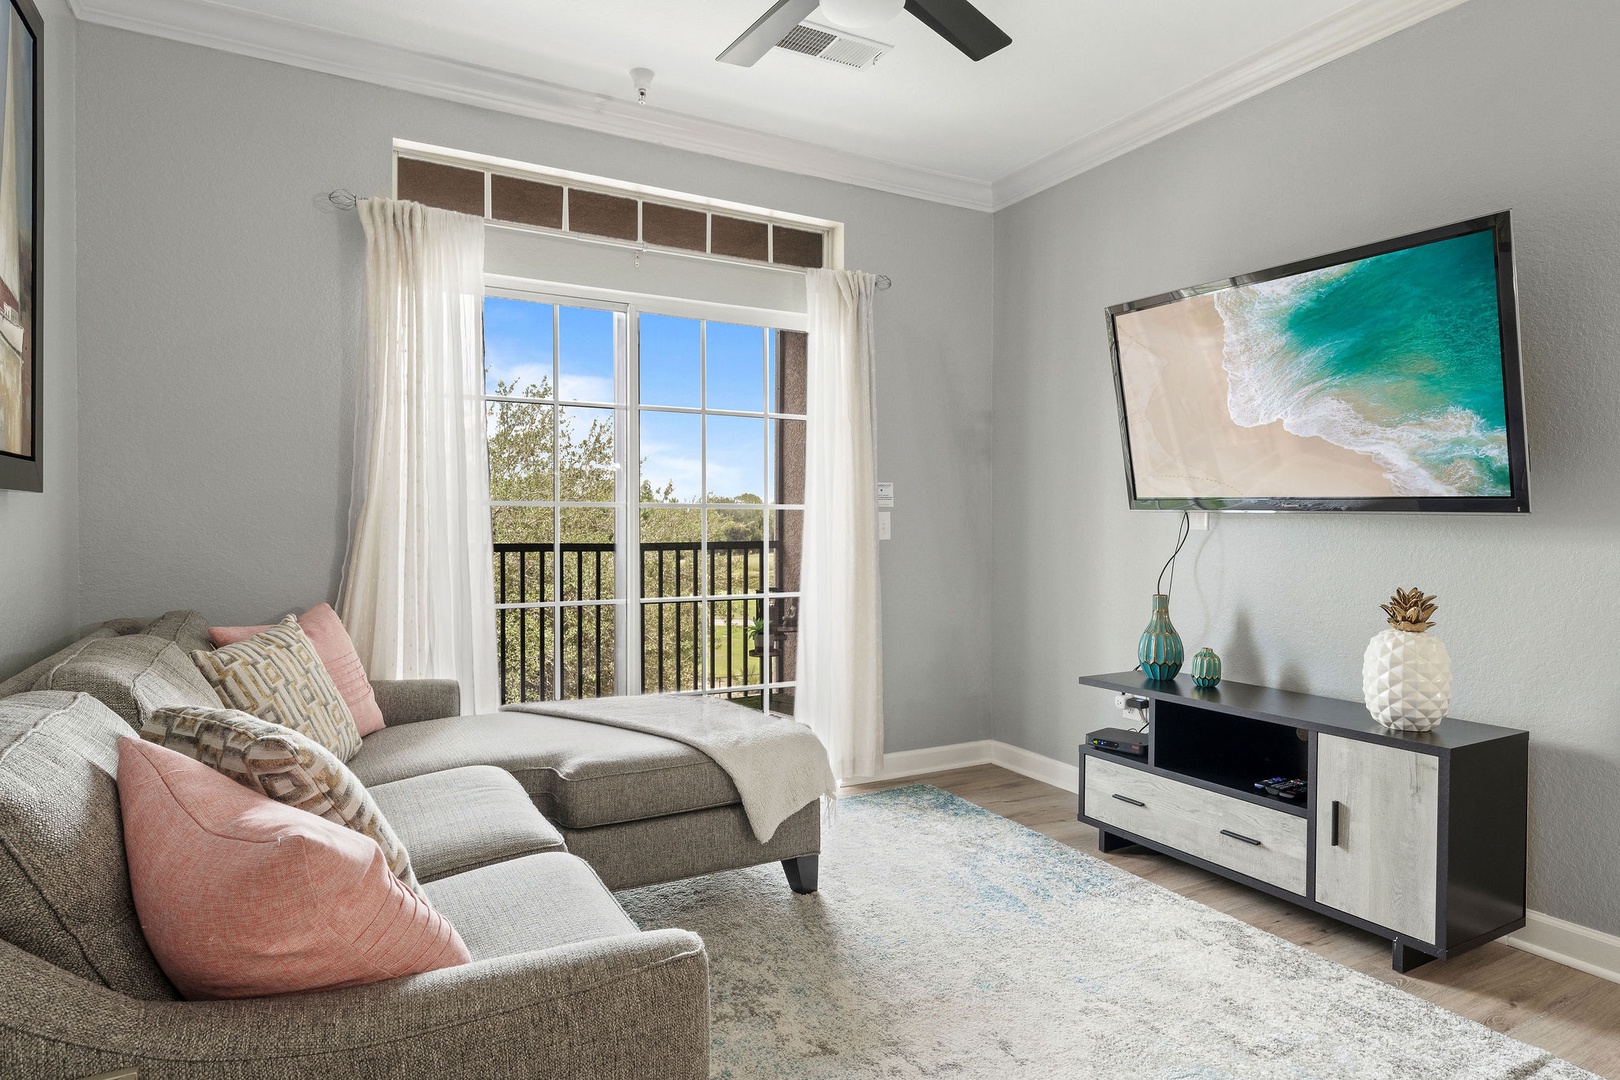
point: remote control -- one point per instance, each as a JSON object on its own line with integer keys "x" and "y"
{"x": 1283, "y": 788}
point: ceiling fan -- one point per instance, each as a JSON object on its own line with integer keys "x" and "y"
{"x": 957, "y": 21}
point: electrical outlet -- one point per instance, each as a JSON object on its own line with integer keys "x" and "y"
{"x": 883, "y": 525}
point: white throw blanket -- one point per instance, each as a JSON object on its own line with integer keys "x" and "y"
{"x": 777, "y": 764}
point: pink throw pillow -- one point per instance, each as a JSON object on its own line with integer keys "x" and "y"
{"x": 242, "y": 896}
{"x": 336, "y": 650}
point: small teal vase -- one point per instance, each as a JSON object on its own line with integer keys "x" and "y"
{"x": 1206, "y": 668}
{"x": 1159, "y": 650}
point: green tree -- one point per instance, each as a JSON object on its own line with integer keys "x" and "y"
{"x": 537, "y": 453}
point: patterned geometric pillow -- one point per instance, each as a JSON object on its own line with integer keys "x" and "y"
{"x": 277, "y": 676}
{"x": 281, "y": 764}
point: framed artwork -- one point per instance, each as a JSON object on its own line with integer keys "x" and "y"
{"x": 20, "y": 187}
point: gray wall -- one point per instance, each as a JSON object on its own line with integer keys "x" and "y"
{"x": 1495, "y": 104}
{"x": 219, "y": 314}
{"x": 39, "y": 552}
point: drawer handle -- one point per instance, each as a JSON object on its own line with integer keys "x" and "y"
{"x": 1333, "y": 839}
{"x": 1240, "y": 836}
{"x": 1133, "y": 802}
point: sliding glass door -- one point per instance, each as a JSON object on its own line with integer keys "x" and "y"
{"x": 646, "y": 497}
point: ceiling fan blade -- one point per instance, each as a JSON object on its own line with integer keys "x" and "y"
{"x": 767, "y": 30}
{"x": 961, "y": 24}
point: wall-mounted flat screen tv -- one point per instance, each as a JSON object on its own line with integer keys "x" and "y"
{"x": 1383, "y": 378}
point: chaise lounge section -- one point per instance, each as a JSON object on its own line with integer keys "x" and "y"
{"x": 639, "y": 808}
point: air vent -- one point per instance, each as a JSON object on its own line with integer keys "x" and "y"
{"x": 834, "y": 46}
{"x": 807, "y": 40}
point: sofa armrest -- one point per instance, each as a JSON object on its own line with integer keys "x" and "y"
{"x": 618, "y": 1008}
{"x": 405, "y": 701}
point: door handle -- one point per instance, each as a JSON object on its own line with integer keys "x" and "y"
{"x": 1240, "y": 836}
{"x": 1133, "y": 802}
{"x": 1333, "y": 831}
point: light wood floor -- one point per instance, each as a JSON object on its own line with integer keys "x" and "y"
{"x": 1570, "y": 1013}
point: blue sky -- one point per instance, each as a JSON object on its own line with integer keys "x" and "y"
{"x": 517, "y": 344}
{"x": 518, "y": 347}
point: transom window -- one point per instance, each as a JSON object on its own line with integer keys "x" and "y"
{"x": 668, "y": 443}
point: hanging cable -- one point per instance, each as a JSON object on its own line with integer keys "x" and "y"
{"x": 1182, "y": 532}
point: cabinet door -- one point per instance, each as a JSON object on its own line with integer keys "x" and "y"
{"x": 1377, "y": 813}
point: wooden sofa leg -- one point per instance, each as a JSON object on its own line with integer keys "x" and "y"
{"x": 801, "y": 872}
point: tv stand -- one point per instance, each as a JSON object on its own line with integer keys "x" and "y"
{"x": 1418, "y": 837}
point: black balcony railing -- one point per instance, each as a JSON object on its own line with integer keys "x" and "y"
{"x": 579, "y": 638}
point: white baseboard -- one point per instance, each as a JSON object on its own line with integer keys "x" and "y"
{"x": 930, "y": 759}
{"x": 1571, "y": 944}
{"x": 1063, "y": 774}
{"x": 1567, "y": 943}
{"x": 903, "y": 763}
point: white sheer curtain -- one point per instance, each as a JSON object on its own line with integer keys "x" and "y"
{"x": 840, "y": 692}
{"x": 418, "y": 591}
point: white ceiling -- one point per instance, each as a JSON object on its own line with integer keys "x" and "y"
{"x": 1082, "y": 81}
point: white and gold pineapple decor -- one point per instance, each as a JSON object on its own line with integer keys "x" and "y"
{"x": 1406, "y": 672}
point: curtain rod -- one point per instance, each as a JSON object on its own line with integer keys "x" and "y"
{"x": 344, "y": 199}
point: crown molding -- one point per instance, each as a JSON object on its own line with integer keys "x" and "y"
{"x": 1338, "y": 35}
{"x": 283, "y": 41}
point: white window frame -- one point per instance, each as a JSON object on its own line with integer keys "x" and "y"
{"x": 628, "y": 573}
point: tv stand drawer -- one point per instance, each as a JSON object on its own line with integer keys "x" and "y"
{"x": 1268, "y": 845}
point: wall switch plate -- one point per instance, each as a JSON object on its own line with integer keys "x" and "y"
{"x": 883, "y": 525}
{"x": 885, "y": 493}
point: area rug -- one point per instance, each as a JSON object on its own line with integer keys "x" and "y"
{"x": 947, "y": 941}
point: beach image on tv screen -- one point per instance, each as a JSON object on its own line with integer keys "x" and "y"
{"x": 1374, "y": 378}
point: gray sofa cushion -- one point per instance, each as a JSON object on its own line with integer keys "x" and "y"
{"x": 187, "y": 629}
{"x": 25, "y": 680}
{"x": 64, "y": 884}
{"x": 133, "y": 676}
{"x": 578, "y": 774}
{"x": 408, "y": 701}
{"x": 528, "y": 904}
{"x": 113, "y": 627}
{"x": 461, "y": 819}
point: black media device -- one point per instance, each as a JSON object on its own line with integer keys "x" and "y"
{"x": 1119, "y": 741}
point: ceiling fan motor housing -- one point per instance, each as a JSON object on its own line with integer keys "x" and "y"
{"x": 860, "y": 14}
{"x": 957, "y": 21}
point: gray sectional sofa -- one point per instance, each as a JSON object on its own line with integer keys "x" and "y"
{"x": 518, "y": 826}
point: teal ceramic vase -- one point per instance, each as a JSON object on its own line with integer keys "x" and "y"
{"x": 1159, "y": 650}
{"x": 1206, "y": 668}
